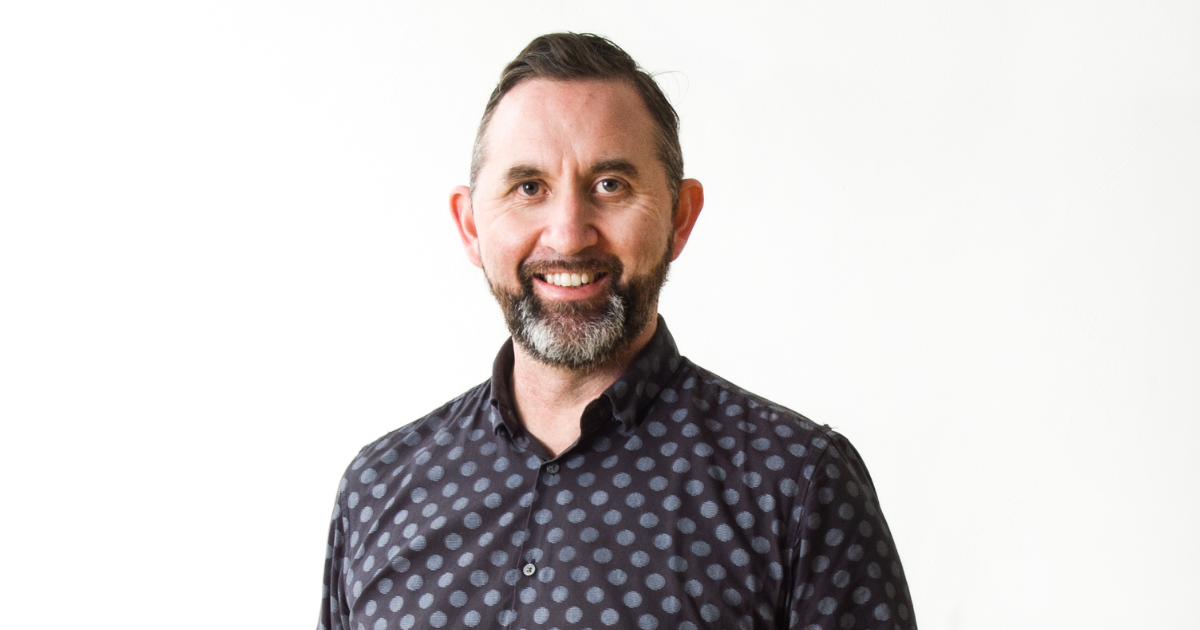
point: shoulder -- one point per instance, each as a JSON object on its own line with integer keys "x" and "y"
{"x": 768, "y": 425}
{"x": 777, "y": 446}
{"x": 403, "y": 447}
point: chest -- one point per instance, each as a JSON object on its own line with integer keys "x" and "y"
{"x": 623, "y": 531}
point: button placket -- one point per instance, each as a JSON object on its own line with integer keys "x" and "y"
{"x": 532, "y": 590}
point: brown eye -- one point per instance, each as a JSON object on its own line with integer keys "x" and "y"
{"x": 608, "y": 185}
{"x": 530, "y": 188}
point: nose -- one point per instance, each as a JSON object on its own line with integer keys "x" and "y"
{"x": 569, "y": 229}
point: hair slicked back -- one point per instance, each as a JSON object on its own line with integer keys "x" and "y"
{"x": 582, "y": 56}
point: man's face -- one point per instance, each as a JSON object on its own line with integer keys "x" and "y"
{"x": 573, "y": 218}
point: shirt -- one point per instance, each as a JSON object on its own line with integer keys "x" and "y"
{"x": 686, "y": 503}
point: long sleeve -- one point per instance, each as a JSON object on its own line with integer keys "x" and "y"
{"x": 846, "y": 571}
{"x": 334, "y": 612}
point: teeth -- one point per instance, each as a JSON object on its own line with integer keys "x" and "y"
{"x": 569, "y": 279}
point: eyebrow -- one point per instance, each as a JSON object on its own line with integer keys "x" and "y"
{"x": 523, "y": 172}
{"x": 616, "y": 165}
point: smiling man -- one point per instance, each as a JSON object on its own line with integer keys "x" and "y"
{"x": 599, "y": 478}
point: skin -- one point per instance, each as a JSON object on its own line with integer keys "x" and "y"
{"x": 570, "y": 171}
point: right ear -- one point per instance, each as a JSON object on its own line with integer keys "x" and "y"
{"x": 464, "y": 219}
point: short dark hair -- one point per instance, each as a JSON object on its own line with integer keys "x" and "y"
{"x": 567, "y": 56}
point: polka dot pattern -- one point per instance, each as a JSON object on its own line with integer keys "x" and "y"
{"x": 687, "y": 503}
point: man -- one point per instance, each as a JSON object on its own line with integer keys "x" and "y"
{"x": 599, "y": 478}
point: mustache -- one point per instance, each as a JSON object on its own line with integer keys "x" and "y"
{"x": 609, "y": 264}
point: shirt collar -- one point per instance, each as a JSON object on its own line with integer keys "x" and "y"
{"x": 630, "y": 396}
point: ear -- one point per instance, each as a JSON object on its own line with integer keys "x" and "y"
{"x": 691, "y": 201}
{"x": 464, "y": 220}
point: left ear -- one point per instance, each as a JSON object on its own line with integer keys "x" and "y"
{"x": 691, "y": 201}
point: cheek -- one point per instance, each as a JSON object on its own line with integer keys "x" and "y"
{"x": 502, "y": 251}
{"x": 651, "y": 239}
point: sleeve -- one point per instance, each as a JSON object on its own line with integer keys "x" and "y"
{"x": 845, "y": 569}
{"x": 334, "y": 613}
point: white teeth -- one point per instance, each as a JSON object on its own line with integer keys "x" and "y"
{"x": 569, "y": 279}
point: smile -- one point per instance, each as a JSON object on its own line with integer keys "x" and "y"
{"x": 570, "y": 279}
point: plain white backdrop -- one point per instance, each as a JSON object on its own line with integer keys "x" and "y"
{"x": 965, "y": 234}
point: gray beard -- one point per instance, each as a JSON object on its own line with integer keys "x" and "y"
{"x": 572, "y": 344}
{"x": 582, "y": 337}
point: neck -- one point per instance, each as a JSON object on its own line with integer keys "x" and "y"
{"x": 550, "y": 399}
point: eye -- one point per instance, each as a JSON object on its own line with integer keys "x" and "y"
{"x": 530, "y": 189}
{"x": 608, "y": 186}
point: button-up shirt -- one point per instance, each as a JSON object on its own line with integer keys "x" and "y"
{"x": 686, "y": 503}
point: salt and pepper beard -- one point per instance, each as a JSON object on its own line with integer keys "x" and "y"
{"x": 581, "y": 336}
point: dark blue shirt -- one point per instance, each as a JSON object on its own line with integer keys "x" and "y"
{"x": 687, "y": 503}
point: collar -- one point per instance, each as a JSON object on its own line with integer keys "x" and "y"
{"x": 629, "y": 397}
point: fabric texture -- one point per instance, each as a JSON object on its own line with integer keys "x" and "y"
{"x": 687, "y": 503}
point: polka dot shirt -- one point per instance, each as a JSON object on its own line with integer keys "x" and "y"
{"x": 687, "y": 503}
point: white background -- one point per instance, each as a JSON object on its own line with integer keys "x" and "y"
{"x": 965, "y": 234}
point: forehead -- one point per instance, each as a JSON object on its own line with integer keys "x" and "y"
{"x": 544, "y": 121}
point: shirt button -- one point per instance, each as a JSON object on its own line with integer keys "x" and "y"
{"x": 529, "y": 569}
{"x": 552, "y": 469}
